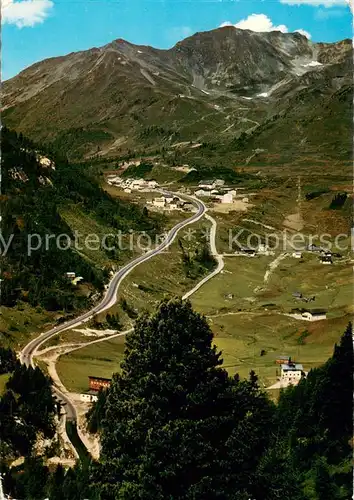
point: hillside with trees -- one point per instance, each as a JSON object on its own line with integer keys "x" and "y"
{"x": 27, "y": 410}
{"x": 175, "y": 425}
{"x": 36, "y": 188}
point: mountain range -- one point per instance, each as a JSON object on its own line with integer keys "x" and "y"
{"x": 264, "y": 97}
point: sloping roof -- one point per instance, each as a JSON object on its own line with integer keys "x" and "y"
{"x": 292, "y": 367}
{"x": 315, "y": 312}
{"x": 101, "y": 379}
{"x": 207, "y": 183}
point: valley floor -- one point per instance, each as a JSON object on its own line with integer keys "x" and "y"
{"x": 246, "y": 304}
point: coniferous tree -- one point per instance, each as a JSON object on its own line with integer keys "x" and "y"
{"x": 315, "y": 419}
{"x": 56, "y": 483}
{"x": 177, "y": 426}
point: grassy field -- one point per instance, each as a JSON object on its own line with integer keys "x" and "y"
{"x": 244, "y": 315}
{"x": 273, "y": 203}
{"x": 254, "y": 340}
{"x": 3, "y": 381}
{"x": 250, "y": 322}
{"x": 161, "y": 277}
{"x": 100, "y": 360}
{"x": 241, "y": 276}
{"x": 166, "y": 174}
{"x": 21, "y": 322}
{"x": 247, "y": 314}
{"x": 248, "y": 340}
{"x": 331, "y": 285}
{"x": 85, "y": 225}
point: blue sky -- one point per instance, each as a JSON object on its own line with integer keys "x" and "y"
{"x": 36, "y": 29}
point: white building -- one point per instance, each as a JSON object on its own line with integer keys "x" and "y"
{"x": 314, "y": 315}
{"x": 138, "y": 183}
{"x": 207, "y": 185}
{"x": 45, "y": 162}
{"x": 159, "y": 202}
{"x": 114, "y": 179}
{"x": 297, "y": 255}
{"x": 202, "y": 192}
{"x": 326, "y": 259}
{"x": 227, "y": 198}
{"x": 152, "y": 184}
{"x": 291, "y": 372}
{"x": 88, "y": 398}
{"x": 77, "y": 280}
{"x": 127, "y": 190}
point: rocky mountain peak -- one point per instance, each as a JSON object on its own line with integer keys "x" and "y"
{"x": 212, "y": 84}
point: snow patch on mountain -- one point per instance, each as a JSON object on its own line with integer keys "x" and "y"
{"x": 312, "y": 64}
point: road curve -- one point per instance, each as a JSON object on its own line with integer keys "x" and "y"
{"x": 109, "y": 299}
{"x": 219, "y": 259}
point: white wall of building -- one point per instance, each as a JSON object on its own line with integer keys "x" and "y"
{"x": 88, "y": 398}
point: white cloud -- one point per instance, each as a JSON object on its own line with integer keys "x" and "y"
{"x": 317, "y": 3}
{"x": 262, "y": 23}
{"x": 26, "y": 12}
{"x": 304, "y": 32}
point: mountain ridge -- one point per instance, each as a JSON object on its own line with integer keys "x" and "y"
{"x": 210, "y": 86}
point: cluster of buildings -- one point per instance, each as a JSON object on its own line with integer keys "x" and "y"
{"x": 262, "y": 249}
{"x": 171, "y": 203}
{"x": 129, "y": 185}
{"x": 217, "y": 191}
{"x": 300, "y": 296}
{"x": 17, "y": 174}
{"x": 325, "y": 256}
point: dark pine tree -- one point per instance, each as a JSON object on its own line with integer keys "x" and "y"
{"x": 176, "y": 425}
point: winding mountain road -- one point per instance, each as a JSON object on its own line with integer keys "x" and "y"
{"x": 109, "y": 299}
